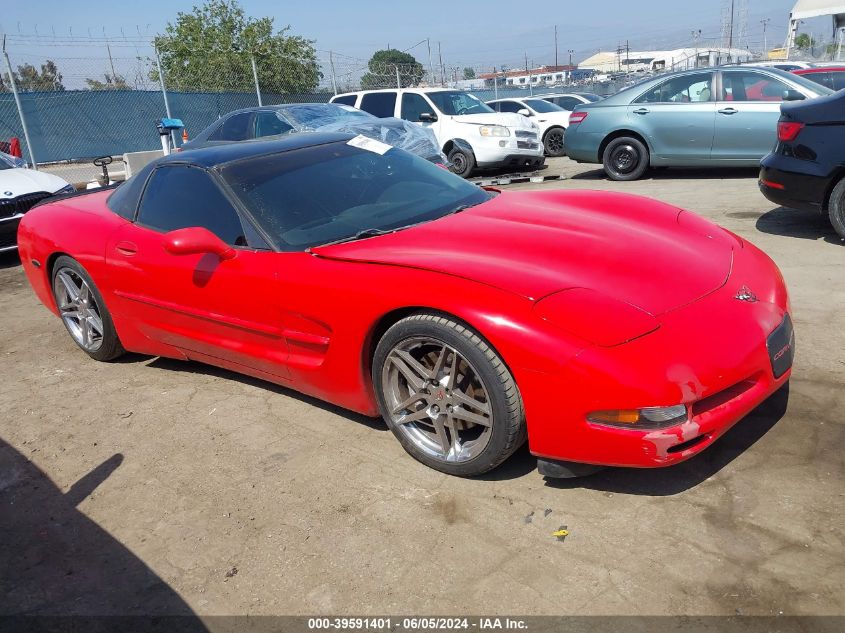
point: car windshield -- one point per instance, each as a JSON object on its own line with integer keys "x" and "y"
{"x": 333, "y": 192}
{"x": 806, "y": 83}
{"x": 311, "y": 116}
{"x": 538, "y": 105}
{"x": 7, "y": 161}
{"x": 453, "y": 103}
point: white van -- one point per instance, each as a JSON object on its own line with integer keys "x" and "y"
{"x": 470, "y": 133}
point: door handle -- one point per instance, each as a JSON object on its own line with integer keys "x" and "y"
{"x": 641, "y": 111}
{"x": 728, "y": 111}
{"x": 126, "y": 248}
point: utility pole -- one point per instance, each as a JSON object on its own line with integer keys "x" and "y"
{"x": 430, "y": 67}
{"x": 627, "y": 58}
{"x": 569, "y": 75}
{"x": 555, "y": 44}
{"x": 331, "y": 64}
{"x": 731, "y": 32}
{"x": 695, "y": 36}
{"x": 440, "y": 56}
{"x": 764, "y": 22}
{"x": 111, "y": 63}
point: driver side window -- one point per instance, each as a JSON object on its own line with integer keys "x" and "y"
{"x": 179, "y": 196}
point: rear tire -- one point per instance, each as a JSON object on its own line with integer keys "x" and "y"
{"x": 83, "y": 311}
{"x": 447, "y": 396}
{"x": 461, "y": 162}
{"x": 836, "y": 208}
{"x": 625, "y": 158}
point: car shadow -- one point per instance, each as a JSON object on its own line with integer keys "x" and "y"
{"x": 661, "y": 482}
{"x": 169, "y": 364}
{"x": 806, "y": 225}
{"x": 673, "y": 173}
{"x": 58, "y": 562}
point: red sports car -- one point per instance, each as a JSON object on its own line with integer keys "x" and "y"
{"x": 609, "y": 329}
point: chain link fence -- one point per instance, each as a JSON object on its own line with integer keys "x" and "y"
{"x": 81, "y": 99}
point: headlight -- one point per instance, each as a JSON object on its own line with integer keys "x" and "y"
{"x": 647, "y": 418}
{"x": 66, "y": 189}
{"x": 494, "y": 130}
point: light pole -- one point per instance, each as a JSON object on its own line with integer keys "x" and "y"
{"x": 569, "y": 72}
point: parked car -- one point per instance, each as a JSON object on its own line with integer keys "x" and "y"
{"x": 469, "y": 132}
{"x": 571, "y": 100}
{"x": 806, "y": 169}
{"x": 20, "y": 189}
{"x": 467, "y": 318}
{"x": 715, "y": 117}
{"x": 832, "y": 77}
{"x": 264, "y": 122}
{"x": 551, "y": 119}
{"x": 787, "y": 66}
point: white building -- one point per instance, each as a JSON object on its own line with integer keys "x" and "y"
{"x": 677, "y": 59}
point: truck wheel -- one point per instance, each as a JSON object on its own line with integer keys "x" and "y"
{"x": 836, "y": 208}
{"x": 461, "y": 162}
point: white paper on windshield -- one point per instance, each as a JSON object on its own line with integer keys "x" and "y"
{"x": 369, "y": 144}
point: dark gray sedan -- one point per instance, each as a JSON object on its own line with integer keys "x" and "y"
{"x": 724, "y": 116}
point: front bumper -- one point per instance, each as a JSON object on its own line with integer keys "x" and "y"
{"x": 9, "y": 233}
{"x": 711, "y": 355}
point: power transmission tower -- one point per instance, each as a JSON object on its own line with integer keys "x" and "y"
{"x": 765, "y": 22}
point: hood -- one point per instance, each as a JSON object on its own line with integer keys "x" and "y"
{"x": 509, "y": 119}
{"x": 533, "y": 244}
{"x": 17, "y": 182}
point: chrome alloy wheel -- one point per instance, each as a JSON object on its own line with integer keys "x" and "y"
{"x": 78, "y": 309}
{"x": 437, "y": 399}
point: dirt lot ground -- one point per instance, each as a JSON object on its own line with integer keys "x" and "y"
{"x": 159, "y": 486}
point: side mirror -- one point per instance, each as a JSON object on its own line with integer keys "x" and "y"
{"x": 524, "y": 112}
{"x": 427, "y": 117}
{"x": 197, "y": 240}
{"x": 792, "y": 95}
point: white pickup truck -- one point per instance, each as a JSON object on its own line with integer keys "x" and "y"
{"x": 469, "y": 132}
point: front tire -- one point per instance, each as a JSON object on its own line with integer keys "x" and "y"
{"x": 461, "y": 162}
{"x": 83, "y": 311}
{"x": 625, "y": 158}
{"x": 447, "y": 396}
{"x": 836, "y": 208}
{"x": 553, "y": 142}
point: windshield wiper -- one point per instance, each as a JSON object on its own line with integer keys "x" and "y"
{"x": 358, "y": 236}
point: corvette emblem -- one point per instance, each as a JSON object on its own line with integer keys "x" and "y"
{"x": 440, "y": 395}
{"x": 745, "y": 294}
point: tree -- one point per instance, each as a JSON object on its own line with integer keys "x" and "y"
{"x": 112, "y": 82}
{"x": 29, "y": 79}
{"x": 469, "y": 73}
{"x": 804, "y": 41}
{"x": 383, "y": 66}
{"x": 210, "y": 49}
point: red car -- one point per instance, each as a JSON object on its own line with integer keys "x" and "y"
{"x": 609, "y": 329}
{"x": 832, "y": 77}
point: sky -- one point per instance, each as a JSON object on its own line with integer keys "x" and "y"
{"x": 479, "y": 34}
